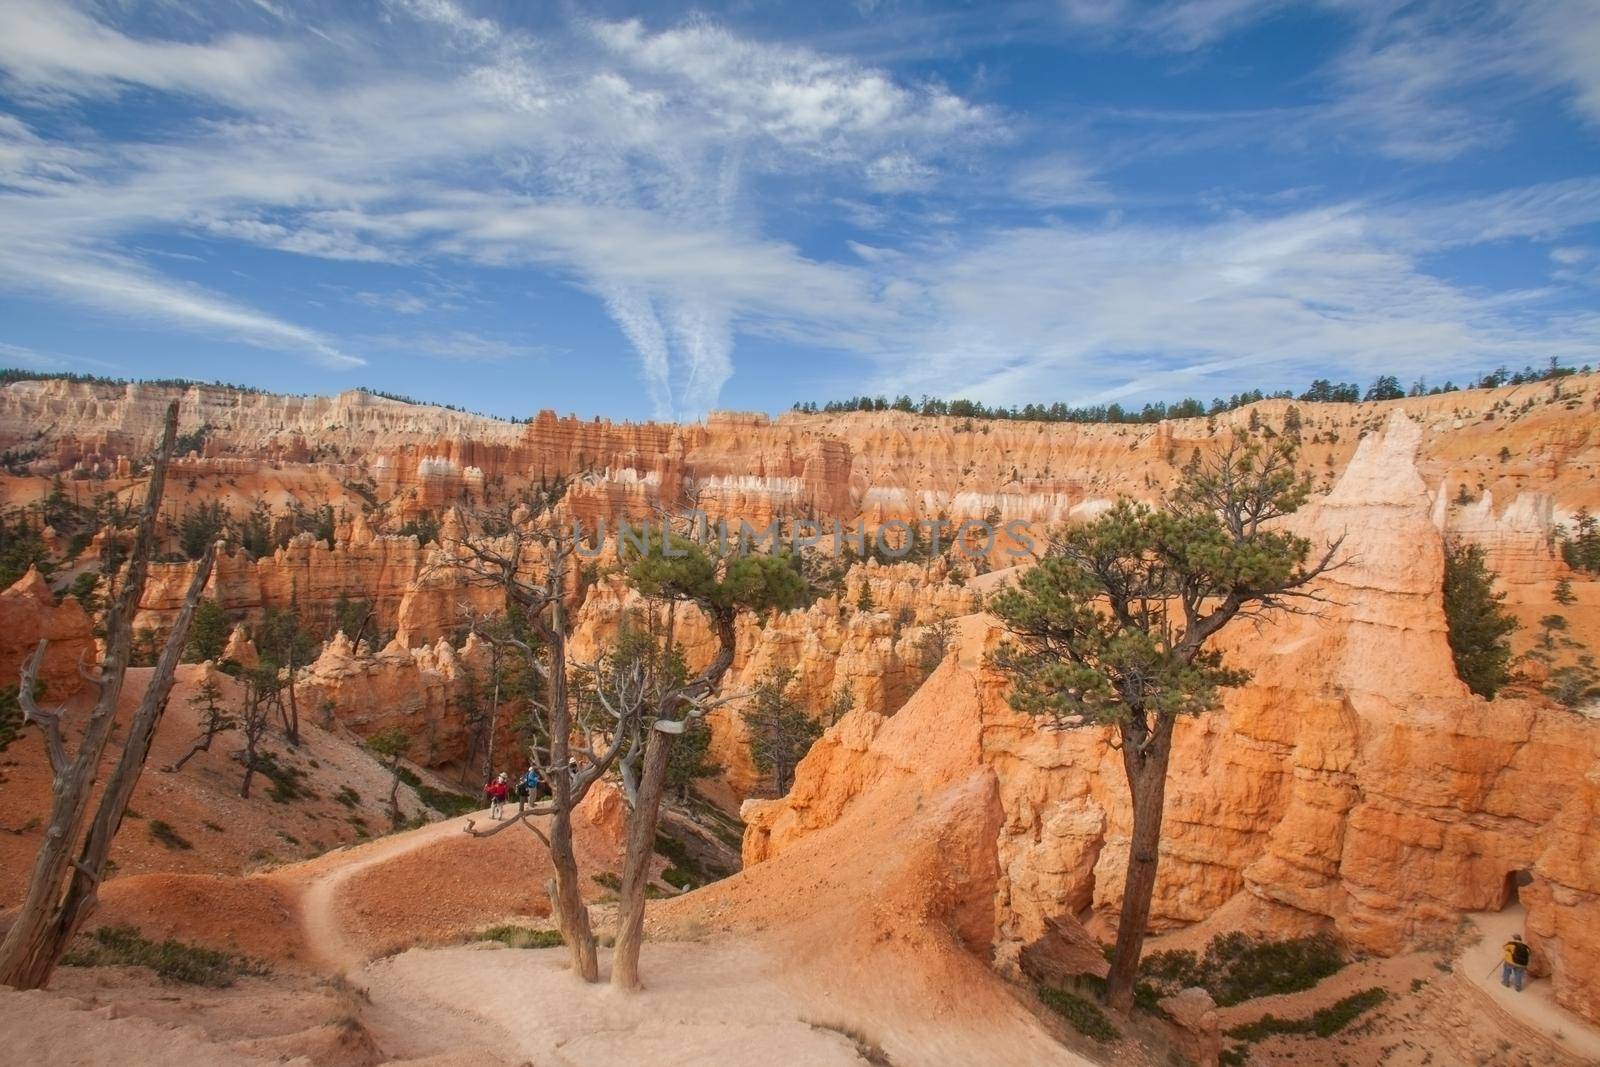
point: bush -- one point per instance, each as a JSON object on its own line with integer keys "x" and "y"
{"x": 445, "y": 802}
{"x": 285, "y": 783}
{"x": 1324, "y": 1022}
{"x": 347, "y": 796}
{"x": 1084, "y": 1015}
{"x": 520, "y": 936}
{"x": 1238, "y": 967}
{"x": 173, "y": 961}
{"x": 164, "y": 833}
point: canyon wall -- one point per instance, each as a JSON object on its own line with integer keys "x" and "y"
{"x": 1353, "y": 784}
{"x": 30, "y": 613}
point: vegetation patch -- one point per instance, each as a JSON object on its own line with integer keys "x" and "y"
{"x": 685, "y": 869}
{"x": 513, "y": 936}
{"x": 1324, "y": 1022}
{"x": 445, "y": 802}
{"x": 1084, "y": 1014}
{"x": 868, "y": 1049}
{"x": 11, "y": 720}
{"x": 173, "y": 961}
{"x": 1237, "y": 967}
{"x": 347, "y": 796}
{"x": 286, "y": 783}
{"x": 164, "y": 833}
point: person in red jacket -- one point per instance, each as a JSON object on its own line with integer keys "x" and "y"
{"x": 498, "y": 790}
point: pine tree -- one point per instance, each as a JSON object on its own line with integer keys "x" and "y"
{"x": 208, "y": 633}
{"x": 1111, "y": 630}
{"x": 1480, "y": 627}
{"x": 777, "y": 729}
{"x": 864, "y": 600}
{"x": 390, "y": 746}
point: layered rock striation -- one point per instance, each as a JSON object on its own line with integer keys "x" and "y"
{"x": 1354, "y": 784}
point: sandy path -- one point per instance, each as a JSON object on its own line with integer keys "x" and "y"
{"x": 1535, "y": 1007}
{"x": 319, "y": 912}
{"x": 703, "y": 1003}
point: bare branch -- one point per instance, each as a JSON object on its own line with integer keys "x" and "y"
{"x": 49, "y": 721}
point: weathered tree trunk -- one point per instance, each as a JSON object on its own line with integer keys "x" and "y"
{"x": 292, "y": 733}
{"x": 394, "y": 793}
{"x": 1147, "y": 785}
{"x": 566, "y": 893}
{"x": 43, "y": 924}
{"x": 202, "y": 745}
{"x": 641, "y": 846}
{"x": 86, "y": 873}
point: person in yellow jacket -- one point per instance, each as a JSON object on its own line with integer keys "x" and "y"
{"x": 1514, "y": 965}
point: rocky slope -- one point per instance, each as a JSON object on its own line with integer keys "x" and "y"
{"x": 1354, "y": 784}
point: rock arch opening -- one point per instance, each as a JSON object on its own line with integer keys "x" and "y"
{"x": 1515, "y": 881}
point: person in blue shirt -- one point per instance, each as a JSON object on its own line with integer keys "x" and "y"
{"x": 528, "y": 787}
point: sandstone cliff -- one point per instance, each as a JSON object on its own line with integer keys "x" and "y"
{"x": 29, "y": 613}
{"x": 1354, "y": 783}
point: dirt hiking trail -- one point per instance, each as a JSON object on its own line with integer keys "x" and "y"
{"x": 1535, "y": 1007}
{"x": 324, "y": 933}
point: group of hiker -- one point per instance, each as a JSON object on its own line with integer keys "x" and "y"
{"x": 530, "y": 787}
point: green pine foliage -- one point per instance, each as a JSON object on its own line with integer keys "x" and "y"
{"x": 1480, "y": 627}
{"x": 777, "y": 729}
{"x": 208, "y": 632}
{"x": 1582, "y": 549}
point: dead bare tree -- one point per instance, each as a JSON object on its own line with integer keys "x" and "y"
{"x": 527, "y": 555}
{"x": 62, "y": 890}
{"x": 255, "y": 715}
{"x": 721, "y": 585}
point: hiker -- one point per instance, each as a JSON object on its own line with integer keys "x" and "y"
{"x": 1515, "y": 966}
{"x": 527, "y": 787}
{"x": 498, "y": 791}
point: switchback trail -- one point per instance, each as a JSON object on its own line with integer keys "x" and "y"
{"x": 319, "y": 914}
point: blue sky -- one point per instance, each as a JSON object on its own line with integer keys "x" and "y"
{"x": 656, "y": 211}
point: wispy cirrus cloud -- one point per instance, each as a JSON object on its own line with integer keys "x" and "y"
{"x": 661, "y": 168}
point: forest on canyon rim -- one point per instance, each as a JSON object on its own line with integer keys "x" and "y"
{"x": 861, "y": 774}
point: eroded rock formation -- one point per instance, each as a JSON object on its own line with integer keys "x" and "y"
{"x": 30, "y": 613}
{"x": 1355, "y": 783}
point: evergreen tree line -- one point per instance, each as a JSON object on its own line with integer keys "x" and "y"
{"x": 1321, "y": 391}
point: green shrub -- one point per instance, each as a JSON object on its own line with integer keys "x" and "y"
{"x": 347, "y": 796}
{"x": 163, "y": 832}
{"x": 1237, "y": 967}
{"x": 520, "y": 936}
{"x": 173, "y": 961}
{"x": 445, "y": 802}
{"x": 1084, "y": 1014}
{"x": 285, "y": 783}
{"x": 1324, "y": 1022}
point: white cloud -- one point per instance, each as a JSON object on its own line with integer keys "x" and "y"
{"x": 54, "y": 47}
{"x": 1058, "y": 181}
{"x": 634, "y": 161}
{"x": 458, "y": 346}
{"x": 1110, "y": 312}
